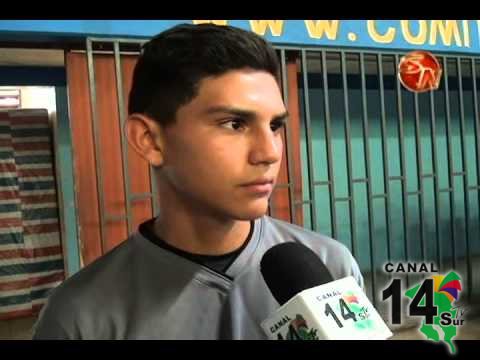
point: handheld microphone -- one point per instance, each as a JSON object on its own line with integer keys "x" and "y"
{"x": 313, "y": 306}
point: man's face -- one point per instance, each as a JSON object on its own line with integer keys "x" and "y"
{"x": 228, "y": 136}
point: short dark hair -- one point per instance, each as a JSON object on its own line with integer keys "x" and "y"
{"x": 173, "y": 63}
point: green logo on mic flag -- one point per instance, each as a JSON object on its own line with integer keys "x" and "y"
{"x": 361, "y": 311}
{"x": 298, "y": 330}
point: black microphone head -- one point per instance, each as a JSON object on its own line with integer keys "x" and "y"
{"x": 289, "y": 268}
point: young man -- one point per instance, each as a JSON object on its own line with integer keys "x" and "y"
{"x": 206, "y": 110}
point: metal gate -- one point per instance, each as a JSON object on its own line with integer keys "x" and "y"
{"x": 391, "y": 174}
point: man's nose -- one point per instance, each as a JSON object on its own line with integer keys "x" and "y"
{"x": 266, "y": 147}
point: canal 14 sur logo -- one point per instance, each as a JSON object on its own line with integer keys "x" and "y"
{"x": 432, "y": 298}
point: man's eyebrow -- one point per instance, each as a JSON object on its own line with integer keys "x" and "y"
{"x": 231, "y": 111}
{"x": 241, "y": 112}
{"x": 282, "y": 116}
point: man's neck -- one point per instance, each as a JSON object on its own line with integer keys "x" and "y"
{"x": 202, "y": 235}
{"x": 197, "y": 232}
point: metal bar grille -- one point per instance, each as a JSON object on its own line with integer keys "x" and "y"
{"x": 114, "y": 47}
{"x": 450, "y": 162}
{"x": 328, "y": 134}
{"x": 403, "y": 172}
{"x": 308, "y": 138}
{"x": 366, "y": 149}
{"x": 418, "y": 154}
{"x": 386, "y": 174}
{"x": 433, "y": 133}
{"x": 464, "y": 173}
{"x": 404, "y": 137}
{"x": 348, "y": 141}
{"x": 122, "y": 116}
{"x": 96, "y": 139}
{"x": 288, "y": 134}
{"x": 477, "y": 148}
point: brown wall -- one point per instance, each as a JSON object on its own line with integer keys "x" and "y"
{"x": 110, "y": 161}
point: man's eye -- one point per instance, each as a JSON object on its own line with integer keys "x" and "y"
{"x": 234, "y": 124}
{"x": 276, "y": 125}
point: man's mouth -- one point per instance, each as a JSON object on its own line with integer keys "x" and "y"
{"x": 260, "y": 186}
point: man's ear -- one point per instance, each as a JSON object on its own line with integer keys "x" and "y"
{"x": 145, "y": 135}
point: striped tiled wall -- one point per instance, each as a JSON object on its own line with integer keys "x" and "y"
{"x": 31, "y": 261}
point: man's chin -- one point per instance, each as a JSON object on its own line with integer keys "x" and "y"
{"x": 251, "y": 214}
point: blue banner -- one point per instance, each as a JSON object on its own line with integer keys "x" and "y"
{"x": 455, "y": 36}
